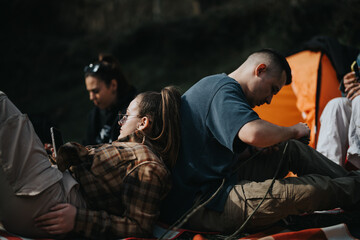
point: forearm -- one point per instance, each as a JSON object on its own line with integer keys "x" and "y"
{"x": 260, "y": 133}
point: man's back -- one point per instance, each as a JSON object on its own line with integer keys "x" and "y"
{"x": 212, "y": 112}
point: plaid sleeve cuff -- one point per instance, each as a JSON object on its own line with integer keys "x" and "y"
{"x": 82, "y": 222}
{"x": 92, "y": 224}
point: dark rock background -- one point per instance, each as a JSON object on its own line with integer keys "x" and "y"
{"x": 46, "y": 44}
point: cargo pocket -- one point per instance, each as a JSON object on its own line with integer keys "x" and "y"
{"x": 270, "y": 210}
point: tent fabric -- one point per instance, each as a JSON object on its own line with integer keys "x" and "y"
{"x": 312, "y": 93}
{"x": 341, "y": 56}
{"x": 317, "y": 70}
{"x": 282, "y": 111}
{"x": 297, "y": 102}
{"x": 305, "y": 98}
{"x": 304, "y": 68}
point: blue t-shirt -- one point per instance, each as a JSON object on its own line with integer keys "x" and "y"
{"x": 212, "y": 113}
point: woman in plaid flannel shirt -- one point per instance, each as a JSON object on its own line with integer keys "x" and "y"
{"x": 121, "y": 184}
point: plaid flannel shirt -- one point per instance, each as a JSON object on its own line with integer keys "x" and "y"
{"x": 123, "y": 184}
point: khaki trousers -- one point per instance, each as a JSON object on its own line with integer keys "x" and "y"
{"x": 29, "y": 185}
{"x": 322, "y": 185}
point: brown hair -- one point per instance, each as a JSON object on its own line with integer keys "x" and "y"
{"x": 163, "y": 111}
{"x": 109, "y": 69}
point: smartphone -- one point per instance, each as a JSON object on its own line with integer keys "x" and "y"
{"x": 56, "y": 139}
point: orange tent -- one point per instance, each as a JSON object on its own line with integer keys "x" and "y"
{"x": 305, "y": 98}
{"x": 317, "y": 71}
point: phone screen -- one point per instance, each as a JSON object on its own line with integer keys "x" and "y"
{"x": 56, "y": 139}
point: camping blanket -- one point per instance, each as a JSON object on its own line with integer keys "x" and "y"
{"x": 339, "y": 231}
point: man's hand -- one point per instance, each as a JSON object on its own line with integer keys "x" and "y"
{"x": 60, "y": 219}
{"x": 302, "y": 130}
{"x": 352, "y": 86}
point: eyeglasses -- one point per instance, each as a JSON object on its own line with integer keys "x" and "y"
{"x": 92, "y": 68}
{"x": 124, "y": 117}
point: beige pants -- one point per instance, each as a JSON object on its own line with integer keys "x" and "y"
{"x": 288, "y": 196}
{"x": 29, "y": 185}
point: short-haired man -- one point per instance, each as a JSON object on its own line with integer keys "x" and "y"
{"x": 220, "y": 131}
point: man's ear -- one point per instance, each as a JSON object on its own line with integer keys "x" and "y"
{"x": 261, "y": 68}
{"x": 144, "y": 124}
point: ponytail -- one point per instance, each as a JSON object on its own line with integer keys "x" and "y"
{"x": 163, "y": 110}
{"x": 171, "y": 122}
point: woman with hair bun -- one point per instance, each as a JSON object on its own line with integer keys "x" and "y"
{"x": 111, "y": 93}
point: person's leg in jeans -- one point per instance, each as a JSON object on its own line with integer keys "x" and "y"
{"x": 333, "y": 135}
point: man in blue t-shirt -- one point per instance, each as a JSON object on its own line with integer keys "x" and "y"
{"x": 228, "y": 154}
